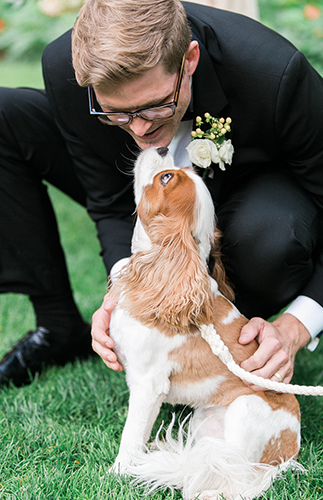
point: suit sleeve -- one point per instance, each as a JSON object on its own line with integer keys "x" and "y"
{"x": 299, "y": 125}
{"x": 103, "y": 156}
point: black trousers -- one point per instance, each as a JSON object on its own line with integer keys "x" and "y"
{"x": 31, "y": 150}
{"x": 270, "y": 225}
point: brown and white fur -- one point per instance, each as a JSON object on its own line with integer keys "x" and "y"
{"x": 164, "y": 293}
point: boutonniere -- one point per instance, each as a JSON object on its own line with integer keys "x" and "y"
{"x": 211, "y": 146}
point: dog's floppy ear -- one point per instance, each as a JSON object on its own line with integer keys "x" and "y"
{"x": 169, "y": 284}
{"x": 218, "y": 272}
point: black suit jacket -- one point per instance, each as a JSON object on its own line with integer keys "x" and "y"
{"x": 247, "y": 72}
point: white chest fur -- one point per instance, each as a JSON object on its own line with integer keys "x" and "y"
{"x": 144, "y": 352}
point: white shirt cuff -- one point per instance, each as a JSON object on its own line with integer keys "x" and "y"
{"x": 116, "y": 268}
{"x": 310, "y": 313}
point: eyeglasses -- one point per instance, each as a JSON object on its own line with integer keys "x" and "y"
{"x": 150, "y": 114}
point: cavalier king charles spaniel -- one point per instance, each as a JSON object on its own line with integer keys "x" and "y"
{"x": 237, "y": 440}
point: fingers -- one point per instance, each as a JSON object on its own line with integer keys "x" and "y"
{"x": 102, "y": 343}
{"x": 108, "y": 357}
{"x": 269, "y": 359}
{"x": 251, "y": 330}
{"x": 108, "y": 304}
{"x": 278, "y": 369}
{"x": 273, "y": 359}
{"x": 278, "y": 376}
{"x": 256, "y": 388}
{"x": 270, "y": 352}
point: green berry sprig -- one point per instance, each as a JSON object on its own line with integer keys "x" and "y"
{"x": 218, "y": 128}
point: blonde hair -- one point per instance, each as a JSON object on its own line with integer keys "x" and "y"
{"x": 116, "y": 40}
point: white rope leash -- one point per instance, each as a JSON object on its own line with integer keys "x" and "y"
{"x": 209, "y": 334}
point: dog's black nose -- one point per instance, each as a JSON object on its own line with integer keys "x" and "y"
{"x": 162, "y": 152}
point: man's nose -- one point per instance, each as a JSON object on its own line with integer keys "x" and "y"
{"x": 139, "y": 126}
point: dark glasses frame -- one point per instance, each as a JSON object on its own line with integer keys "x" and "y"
{"x": 103, "y": 116}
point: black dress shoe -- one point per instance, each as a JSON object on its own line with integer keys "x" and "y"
{"x": 37, "y": 349}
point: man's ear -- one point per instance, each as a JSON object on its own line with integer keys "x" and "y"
{"x": 192, "y": 57}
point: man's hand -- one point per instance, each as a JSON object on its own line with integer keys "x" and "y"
{"x": 279, "y": 343}
{"x": 102, "y": 343}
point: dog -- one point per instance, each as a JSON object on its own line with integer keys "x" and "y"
{"x": 237, "y": 440}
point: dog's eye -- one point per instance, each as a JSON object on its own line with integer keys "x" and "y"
{"x": 165, "y": 178}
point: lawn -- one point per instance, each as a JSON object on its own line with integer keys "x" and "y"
{"x": 60, "y": 434}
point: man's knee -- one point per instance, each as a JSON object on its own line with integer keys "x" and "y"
{"x": 31, "y": 143}
{"x": 269, "y": 243}
{"x": 263, "y": 251}
{"x": 15, "y": 103}
{"x": 25, "y": 118}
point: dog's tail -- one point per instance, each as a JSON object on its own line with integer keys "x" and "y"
{"x": 205, "y": 469}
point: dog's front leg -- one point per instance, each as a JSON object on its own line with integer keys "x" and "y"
{"x": 144, "y": 406}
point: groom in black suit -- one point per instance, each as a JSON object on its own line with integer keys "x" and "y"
{"x": 268, "y": 202}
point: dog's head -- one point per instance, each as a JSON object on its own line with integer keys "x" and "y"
{"x": 177, "y": 194}
{"x": 149, "y": 163}
{"x": 166, "y": 281}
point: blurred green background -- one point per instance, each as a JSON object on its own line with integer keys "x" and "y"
{"x": 27, "y": 26}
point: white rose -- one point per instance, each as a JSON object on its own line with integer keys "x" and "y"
{"x": 225, "y": 154}
{"x": 202, "y": 152}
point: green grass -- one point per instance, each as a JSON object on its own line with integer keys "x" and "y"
{"x": 60, "y": 434}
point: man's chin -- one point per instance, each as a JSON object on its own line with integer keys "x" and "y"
{"x": 157, "y": 144}
{"x": 156, "y": 139}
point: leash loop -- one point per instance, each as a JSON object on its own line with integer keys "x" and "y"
{"x": 218, "y": 347}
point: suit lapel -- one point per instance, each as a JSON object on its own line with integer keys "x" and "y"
{"x": 205, "y": 77}
{"x": 214, "y": 101}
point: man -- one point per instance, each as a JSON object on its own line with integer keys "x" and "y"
{"x": 129, "y": 62}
